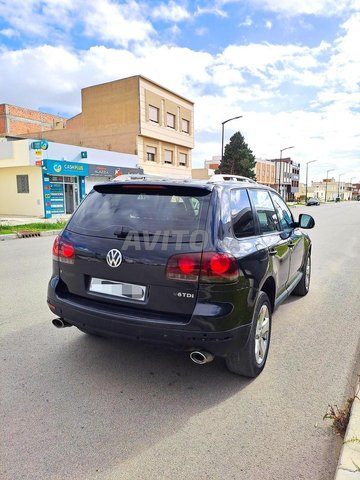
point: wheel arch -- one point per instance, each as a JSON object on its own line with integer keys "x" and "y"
{"x": 269, "y": 288}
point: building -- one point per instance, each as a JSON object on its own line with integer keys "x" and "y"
{"x": 328, "y": 189}
{"x": 137, "y": 116}
{"x": 208, "y": 169}
{"x": 15, "y": 121}
{"x": 47, "y": 179}
{"x": 265, "y": 172}
{"x": 287, "y": 174}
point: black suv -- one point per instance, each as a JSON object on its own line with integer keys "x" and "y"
{"x": 195, "y": 265}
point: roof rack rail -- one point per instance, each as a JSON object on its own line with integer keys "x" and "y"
{"x": 145, "y": 177}
{"x": 224, "y": 177}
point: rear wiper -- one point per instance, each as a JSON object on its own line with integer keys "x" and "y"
{"x": 124, "y": 232}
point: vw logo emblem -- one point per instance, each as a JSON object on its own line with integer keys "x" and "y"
{"x": 114, "y": 258}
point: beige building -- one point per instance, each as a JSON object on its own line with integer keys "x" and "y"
{"x": 137, "y": 116}
{"x": 329, "y": 188}
{"x": 208, "y": 169}
{"x": 48, "y": 179}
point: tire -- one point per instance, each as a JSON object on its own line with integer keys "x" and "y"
{"x": 250, "y": 360}
{"x": 302, "y": 288}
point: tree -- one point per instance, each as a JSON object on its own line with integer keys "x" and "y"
{"x": 238, "y": 158}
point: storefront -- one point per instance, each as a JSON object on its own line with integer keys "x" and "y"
{"x": 46, "y": 179}
{"x": 63, "y": 186}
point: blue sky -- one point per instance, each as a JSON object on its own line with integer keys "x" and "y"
{"x": 291, "y": 68}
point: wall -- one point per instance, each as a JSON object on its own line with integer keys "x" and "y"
{"x": 18, "y": 120}
{"x": 14, "y": 153}
{"x": 13, "y": 203}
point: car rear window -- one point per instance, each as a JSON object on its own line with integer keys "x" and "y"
{"x": 111, "y": 209}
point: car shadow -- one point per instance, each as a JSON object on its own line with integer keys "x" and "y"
{"x": 86, "y": 404}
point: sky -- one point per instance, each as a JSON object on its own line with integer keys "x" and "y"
{"x": 290, "y": 68}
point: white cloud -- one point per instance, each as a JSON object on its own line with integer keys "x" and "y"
{"x": 310, "y": 7}
{"x": 38, "y": 19}
{"x": 268, "y": 24}
{"x": 116, "y": 23}
{"x": 247, "y": 22}
{"x": 170, "y": 12}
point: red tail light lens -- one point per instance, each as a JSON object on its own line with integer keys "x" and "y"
{"x": 218, "y": 268}
{"x": 184, "y": 267}
{"x": 63, "y": 251}
{"x": 209, "y": 267}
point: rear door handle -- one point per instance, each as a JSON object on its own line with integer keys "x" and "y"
{"x": 272, "y": 252}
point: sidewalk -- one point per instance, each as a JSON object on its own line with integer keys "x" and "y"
{"x": 349, "y": 462}
{"x": 21, "y": 220}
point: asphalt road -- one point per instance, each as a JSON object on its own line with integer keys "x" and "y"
{"x": 76, "y": 407}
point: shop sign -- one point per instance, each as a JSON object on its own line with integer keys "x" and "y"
{"x": 53, "y": 167}
{"x": 107, "y": 171}
{"x": 40, "y": 145}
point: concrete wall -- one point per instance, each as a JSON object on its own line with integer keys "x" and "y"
{"x": 13, "y": 203}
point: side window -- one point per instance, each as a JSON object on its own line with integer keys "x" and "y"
{"x": 242, "y": 218}
{"x": 265, "y": 210}
{"x": 284, "y": 214}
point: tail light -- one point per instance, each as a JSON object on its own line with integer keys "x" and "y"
{"x": 63, "y": 251}
{"x": 206, "y": 267}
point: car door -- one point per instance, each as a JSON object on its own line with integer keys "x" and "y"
{"x": 295, "y": 238}
{"x": 272, "y": 239}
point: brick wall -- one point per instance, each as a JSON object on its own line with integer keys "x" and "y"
{"x": 22, "y": 121}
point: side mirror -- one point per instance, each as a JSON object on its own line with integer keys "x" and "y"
{"x": 306, "y": 221}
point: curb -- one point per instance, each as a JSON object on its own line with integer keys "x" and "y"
{"x": 349, "y": 462}
{"x": 14, "y": 236}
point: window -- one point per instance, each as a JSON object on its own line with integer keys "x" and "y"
{"x": 22, "y": 182}
{"x": 151, "y": 154}
{"x": 170, "y": 120}
{"x": 283, "y": 212}
{"x": 185, "y": 125}
{"x": 182, "y": 159}
{"x": 168, "y": 156}
{"x": 153, "y": 114}
{"x": 265, "y": 210}
{"x": 242, "y": 218}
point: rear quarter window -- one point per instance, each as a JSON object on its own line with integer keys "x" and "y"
{"x": 242, "y": 218}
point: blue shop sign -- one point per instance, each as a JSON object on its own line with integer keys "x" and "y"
{"x": 58, "y": 167}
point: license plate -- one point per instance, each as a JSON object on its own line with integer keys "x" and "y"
{"x": 118, "y": 289}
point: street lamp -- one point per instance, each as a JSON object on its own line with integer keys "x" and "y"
{"x": 327, "y": 176}
{"x": 222, "y": 134}
{"x": 306, "y": 183}
{"x": 286, "y": 148}
{"x": 340, "y": 175}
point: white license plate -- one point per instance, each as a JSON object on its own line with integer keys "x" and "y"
{"x": 118, "y": 289}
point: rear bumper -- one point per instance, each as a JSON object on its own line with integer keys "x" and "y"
{"x": 168, "y": 333}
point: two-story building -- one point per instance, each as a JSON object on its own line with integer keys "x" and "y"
{"x": 137, "y": 116}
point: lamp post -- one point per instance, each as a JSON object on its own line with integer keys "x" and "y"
{"x": 222, "y": 134}
{"x": 340, "y": 175}
{"x": 306, "y": 183}
{"x": 327, "y": 176}
{"x": 281, "y": 150}
{"x": 351, "y": 195}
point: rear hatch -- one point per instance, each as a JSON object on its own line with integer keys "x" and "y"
{"x": 123, "y": 235}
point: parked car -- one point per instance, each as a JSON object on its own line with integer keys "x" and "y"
{"x": 198, "y": 266}
{"x": 312, "y": 201}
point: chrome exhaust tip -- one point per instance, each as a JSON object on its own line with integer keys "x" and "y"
{"x": 201, "y": 357}
{"x": 60, "y": 323}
